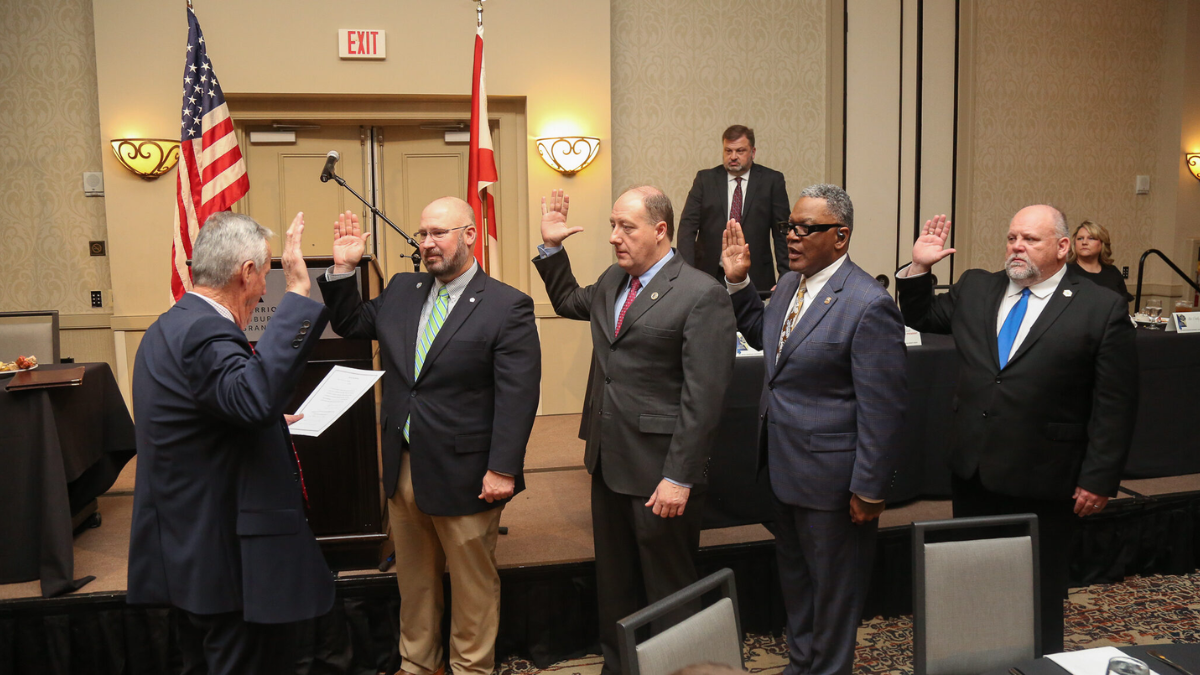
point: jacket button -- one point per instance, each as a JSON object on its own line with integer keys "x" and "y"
{"x": 303, "y": 331}
{"x": 762, "y": 417}
{"x": 997, "y": 380}
{"x": 771, "y": 386}
{"x": 296, "y": 477}
{"x": 306, "y": 324}
{"x": 412, "y": 394}
{"x": 985, "y": 413}
{"x": 612, "y": 348}
{"x": 608, "y": 380}
{"x": 296, "y": 343}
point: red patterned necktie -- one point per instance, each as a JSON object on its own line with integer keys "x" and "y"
{"x": 633, "y": 289}
{"x": 735, "y": 209}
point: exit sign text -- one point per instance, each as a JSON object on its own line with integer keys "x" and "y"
{"x": 361, "y": 44}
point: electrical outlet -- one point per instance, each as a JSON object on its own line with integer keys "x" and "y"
{"x": 97, "y": 299}
{"x": 1125, "y": 271}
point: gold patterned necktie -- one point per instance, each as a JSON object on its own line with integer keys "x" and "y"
{"x": 793, "y": 317}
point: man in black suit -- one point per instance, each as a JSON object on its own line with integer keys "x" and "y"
{"x": 462, "y": 370}
{"x": 1047, "y": 386}
{"x": 753, "y": 195}
{"x": 218, "y": 510}
{"x": 663, "y": 341}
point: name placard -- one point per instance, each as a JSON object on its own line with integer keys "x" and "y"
{"x": 912, "y": 338}
{"x": 1184, "y": 322}
{"x": 362, "y": 44}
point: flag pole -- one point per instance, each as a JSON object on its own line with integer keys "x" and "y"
{"x": 483, "y": 212}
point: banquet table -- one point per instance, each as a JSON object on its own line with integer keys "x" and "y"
{"x": 60, "y": 448}
{"x": 1186, "y": 655}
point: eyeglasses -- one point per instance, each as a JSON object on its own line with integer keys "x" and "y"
{"x": 436, "y": 235}
{"x": 802, "y": 229}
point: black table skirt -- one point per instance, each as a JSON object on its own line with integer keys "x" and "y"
{"x": 1185, "y": 655}
{"x": 60, "y": 448}
{"x": 1165, "y": 439}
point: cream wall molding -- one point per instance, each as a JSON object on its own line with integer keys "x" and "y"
{"x": 84, "y": 321}
{"x": 133, "y": 322}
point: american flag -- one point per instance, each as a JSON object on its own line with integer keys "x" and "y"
{"x": 212, "y": 173}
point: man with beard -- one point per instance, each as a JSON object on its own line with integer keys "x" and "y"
{"x": 737, "y": 189}
{"x": 1047, "y": 386}
{"x": 462, "y": 368}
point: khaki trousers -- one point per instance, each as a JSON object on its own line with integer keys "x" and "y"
{"x": 425, "y": 546}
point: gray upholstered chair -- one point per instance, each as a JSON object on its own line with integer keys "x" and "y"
{"x": 29, "y": 334}
{"x": 713, "y": 634}
{"x": 975, "y": 600}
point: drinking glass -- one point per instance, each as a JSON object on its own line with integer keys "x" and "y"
{"x": 1127, "y": 665}
{"x": 1154, "y": 309}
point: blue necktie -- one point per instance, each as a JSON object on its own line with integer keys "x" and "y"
{"x": 1012, "y": 326}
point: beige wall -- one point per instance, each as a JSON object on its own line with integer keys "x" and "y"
{"x": 1067, "y": 107}
{"x": 556, "y": 57}
{"x": 684, "y": 70}
{"x": 49, "y": 135}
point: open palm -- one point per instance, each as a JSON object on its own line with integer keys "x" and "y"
{"x": 930, "y": 247}
{"x": 735, "y": 256}
{"x": 349, "y": 243}
{"x": 554, "y": 219}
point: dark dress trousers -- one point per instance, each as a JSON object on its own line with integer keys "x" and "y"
{"x": 651, "y": 411}
{"x": 1059, "y": 415}
{"x": 218, "y": 515}
{"x": 831, "y": 411}
{"x": 474, "y": 402}
{"x": 706, "y": 213}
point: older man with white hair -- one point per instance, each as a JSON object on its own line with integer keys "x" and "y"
{"x": 1047, "y": 386}
{"x": 218, "y": 510}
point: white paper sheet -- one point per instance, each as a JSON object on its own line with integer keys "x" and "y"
{"x": 340, "y": 389}
{"x": 1088, "y": 661}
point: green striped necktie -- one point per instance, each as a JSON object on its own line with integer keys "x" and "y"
{"x": 437, "y": 317}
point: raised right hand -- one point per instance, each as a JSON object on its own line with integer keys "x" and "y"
{"x": 735, "y": 255}
{"x": 349, "y": 243}
{"x": 554, "y": 219}
{"x": 929, "y": 249}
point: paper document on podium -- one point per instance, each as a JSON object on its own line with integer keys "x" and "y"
{"x": 340, "y": 389}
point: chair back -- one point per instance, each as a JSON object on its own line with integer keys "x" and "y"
{"x": 975, "y": 600}
{"x": 29, "y": 334}
{"x": 712, "y": 634}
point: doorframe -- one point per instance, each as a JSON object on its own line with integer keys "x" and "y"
{"x": 252, "y": 109}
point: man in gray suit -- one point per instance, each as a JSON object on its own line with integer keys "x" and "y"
{"x": 831, "y": 412}
{"x": 663, "y": 345}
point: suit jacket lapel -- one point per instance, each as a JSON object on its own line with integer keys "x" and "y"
{"x": 821, "y": 304}
{"x": 410, "y": 312}
{"x": 656, "y": 290}
{"x": 471, "y": 298}
{"x": 618, "y": 279}
{"x": 1058, "y": 302}
{"x": 750, "y": 190}
{"x": 992, "y": 321}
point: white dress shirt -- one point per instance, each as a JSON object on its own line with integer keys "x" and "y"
{"x": 221, "y": 309}
{"x": 1039, "y": 297}
{"x": 732, "y": 185}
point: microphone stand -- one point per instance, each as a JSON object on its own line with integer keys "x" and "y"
{"x": 416, "y": 255}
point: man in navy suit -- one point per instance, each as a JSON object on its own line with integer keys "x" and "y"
{"x": 462, "y": 371}
{"x": 218, "y": 510}
{"x": 830, "y": 417}
{"x": 1047, "y": 389}
{"x": 741, "y": 190}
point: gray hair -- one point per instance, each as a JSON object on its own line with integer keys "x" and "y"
{"x": 836, "y": 200}
{"x": 225, "y": 242}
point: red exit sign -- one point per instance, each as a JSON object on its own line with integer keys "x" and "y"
{"x": 361, "y": 44}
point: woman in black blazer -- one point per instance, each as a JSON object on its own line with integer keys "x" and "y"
{"x": 1091, "y": 258}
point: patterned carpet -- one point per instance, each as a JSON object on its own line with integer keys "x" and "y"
{"x": 1142, "y": 610}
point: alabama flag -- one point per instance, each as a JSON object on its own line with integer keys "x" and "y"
{"x": 481, "y": 168}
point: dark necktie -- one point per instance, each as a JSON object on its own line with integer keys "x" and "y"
{"x": 633, "y": 289}
{"x": 1012, "y": 326}
{"x": 735, "y": 207}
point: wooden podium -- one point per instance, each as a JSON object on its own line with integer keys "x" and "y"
{"x": 341, "y": 466}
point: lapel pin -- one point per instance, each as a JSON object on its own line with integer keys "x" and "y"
{"x": 654, "y": 295}
{"x": 472, "y": 299}
{"x": 828, "y": 300}
{"x": 1067, "y": 292}
{"x": 419, "y": 284}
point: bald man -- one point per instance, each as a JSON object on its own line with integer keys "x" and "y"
{"x": 462, "y": 368}
{"x": 1047, "y": 387}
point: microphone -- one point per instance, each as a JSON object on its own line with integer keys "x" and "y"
{"x": 330, "y": 159}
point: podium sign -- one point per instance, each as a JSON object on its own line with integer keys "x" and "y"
{"x": 276, "y": 287}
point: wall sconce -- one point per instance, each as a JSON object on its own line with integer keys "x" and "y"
{"x": 568, "y": 155}
{"x": 1193, "y": 162}
{"x": 146, "y": 157}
